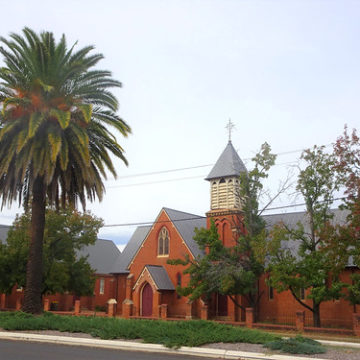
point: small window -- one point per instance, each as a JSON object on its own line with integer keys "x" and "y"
{"x": 271, "y": 293}
{"x": 230, "y": 181}
{"x": 222, "y": 180}
{"x": 163, "y": 242}
{"x": 102, "y": 286}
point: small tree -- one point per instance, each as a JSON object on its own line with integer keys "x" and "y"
{"x": 301, "y": 258}
{"x": 66, "y": 232}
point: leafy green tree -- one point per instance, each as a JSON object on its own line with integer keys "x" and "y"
{"x": 66, "y": 232}
{"x": 55, "y": 139}
{"x": 301, "y": 258}
{"x": 347, "y": 152}
{"x": 233, "y": 271}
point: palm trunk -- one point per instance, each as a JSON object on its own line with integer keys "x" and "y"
{"x": 34, "y": 272}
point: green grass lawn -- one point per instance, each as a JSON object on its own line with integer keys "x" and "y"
{"x": 168, "y": 333}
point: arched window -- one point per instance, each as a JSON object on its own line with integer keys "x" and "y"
{"x": 163, "y": 242}
{"x": 222, "y": 180}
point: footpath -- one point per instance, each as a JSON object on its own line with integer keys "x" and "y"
{"x": 155, "y": 348}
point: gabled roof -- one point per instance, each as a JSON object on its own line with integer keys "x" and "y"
{"x": 160, "y": 277}
{"x": 101, "y": 256}
{"x": 228, "y": 164}
{"x": 122, "y": 263}
{"x": 185, "y": 224}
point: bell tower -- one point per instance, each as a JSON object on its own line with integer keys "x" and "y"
{"x": 225, "y": 201}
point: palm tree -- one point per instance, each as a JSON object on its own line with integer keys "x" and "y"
{"x": 55, "y": 141}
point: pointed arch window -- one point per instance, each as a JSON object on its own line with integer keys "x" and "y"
{"x": 163, "y": 242}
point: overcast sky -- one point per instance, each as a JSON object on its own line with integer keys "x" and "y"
{"x": 286, "y": 72}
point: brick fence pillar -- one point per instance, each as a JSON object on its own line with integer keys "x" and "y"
{"x": 356, "y": 324}
{"x": 204, "y": 312}
{"x": 300, "y": 320}
{"x": 249, "y": 317}
{"x": 111, "y": 307}
{"x": 77, "y": 307}
{"x": 46, "y": 304}
{"x": 3, "y": 301}
{"x": 18, "y": 303}
{"x": 127, "y": 308}
{"x": 163, "y": 311}
{"x": 111, "y": 310}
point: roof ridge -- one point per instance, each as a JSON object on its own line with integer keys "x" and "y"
{"x": 298, "y": 212}
{"x": 183, "y": 212}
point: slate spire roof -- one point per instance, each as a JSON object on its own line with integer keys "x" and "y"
{"x": 228, "y": 164}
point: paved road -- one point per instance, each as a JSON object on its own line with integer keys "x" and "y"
{"x": 22, "y": 350}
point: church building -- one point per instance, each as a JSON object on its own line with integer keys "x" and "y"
{"x": 146, "y": 283}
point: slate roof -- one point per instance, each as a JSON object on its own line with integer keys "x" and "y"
{"x": 122, "y": 263}
{"x": 228, "y": 164}
{"x": 3, "y": 232}
{"x": 101, "y": 256}
{"x": 185, "y": 224}
{"x": 292, "y": 219}
{"x": 160, "y": 277}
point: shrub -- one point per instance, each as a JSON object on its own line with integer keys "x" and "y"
{"x": 297, "y": 345}
{"x": 168, "y": 333}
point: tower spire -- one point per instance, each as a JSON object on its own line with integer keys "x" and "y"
{"x": 230, "y": 127}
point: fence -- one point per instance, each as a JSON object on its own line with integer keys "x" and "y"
{"x": 297, "y": 322}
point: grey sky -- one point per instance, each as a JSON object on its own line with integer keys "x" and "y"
{"x": 286, "y": 72}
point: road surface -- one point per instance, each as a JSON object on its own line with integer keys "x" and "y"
{"x": 23, "y": 350}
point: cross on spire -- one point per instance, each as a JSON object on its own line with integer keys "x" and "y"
{"x": 230, "y": 126}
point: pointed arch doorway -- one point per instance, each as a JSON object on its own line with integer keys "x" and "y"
{"x": 146, "y": 300}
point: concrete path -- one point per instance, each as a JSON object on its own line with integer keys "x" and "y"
{"x": 340, "y": 343}
{"x": 154, "y": 348}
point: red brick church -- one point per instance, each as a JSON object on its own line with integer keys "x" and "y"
{"x": 143, "y": 284}
{"x": 146, "y": 283}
